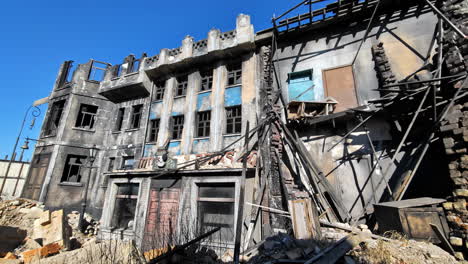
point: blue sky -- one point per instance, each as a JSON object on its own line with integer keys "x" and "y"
{"x": 37, "y": 36}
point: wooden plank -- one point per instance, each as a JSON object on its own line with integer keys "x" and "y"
{"x": 337, "y": 250}
{"x": 444, "y": 242}
{"x": 304, "y": 219}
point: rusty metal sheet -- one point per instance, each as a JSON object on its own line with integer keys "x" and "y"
{"x": 339, "y": 84}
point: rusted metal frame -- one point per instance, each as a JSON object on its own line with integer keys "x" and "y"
{"x": 400, "y": 193}
{"x": 425, "y": 81}
{"x": 352, "y": 130}
{"x": 191, "y": 242}
{"x": 240, "y": 209}
{"x": 322, "y": 181}
{"x": 366, "y": 32}
{"x": 446, "y": 20}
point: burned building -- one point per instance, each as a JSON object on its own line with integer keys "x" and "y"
{"x": 315, "y": 119}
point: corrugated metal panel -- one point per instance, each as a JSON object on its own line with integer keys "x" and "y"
{"x": 339, "y": 84}
{"x": 233, "y": 96}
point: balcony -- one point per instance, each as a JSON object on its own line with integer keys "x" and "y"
{"x": 125, "y": 81}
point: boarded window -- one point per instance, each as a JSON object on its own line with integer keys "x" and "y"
{"x": 216, "y": 203}
{"x": 203, "y": 124}
{"x": 177, "y": 126}
{"x": 125, "y": 205}
{"x": 120, "y": 118}
{"x": 72, "y": 169}
{"x": 137, "y": 111}
{"x": 54, "y": 118}
{"x": 339, "y": 84}
{"x": 154, "y": 130}
{"x": 86, "y": 116}
{"x": 233, "y": 119}
{"x": 301, "y": 86}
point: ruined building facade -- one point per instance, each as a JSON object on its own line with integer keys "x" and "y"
{"x": 170, "y": 129}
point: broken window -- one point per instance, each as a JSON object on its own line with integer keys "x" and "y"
{"x": 54, "y": 118}
{"x": 125, "y": 205}
{"x": 182, "y": 83}
{"x": 120, "y": 118}
{"x": 300, "y": 86}
{"x": 86, "y": 116}
{"x": 154, "y": 130}
{"x": 233, "y": 119}
{"x": 203, "y": 124}
{"x": 67, "y": 74}
{"x": 98, "y": 70}
{"x": 206, "y": 80}
{"x": 159, "y": 91}
{"x": 135, "y": 66}
{"x": 72, "y": 169}
{"x": 234, "y": 74}
{"x": 128, "y": 162}
{"x": 215, "y": 204}
{"x": 177, "y": 126}
{"x": 110, "y": 166}
{"x": 137, "y": 111}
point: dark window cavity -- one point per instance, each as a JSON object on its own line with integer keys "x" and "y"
{"x": 72, "y": 169}
{"x": 182, "y": 83}
{"x": 120, "y": 118}
{"x": 54, "y": 118}
{"x": 86, "y": 116}
{"x": 215, "y": 204}
{"x": 154, "y": 130}
{"x": 125, "y": 205}
{"x": 234, "y": 74}
{"x": 203, "y": 124}
{"x": 206, "y": 80}
{"x": 233, "y": 120}
{"x": 98, "y": 70}
{"x": 67, "y": 73}
{"x": 137, "y": 111}
{"x": 128, "y": 162}
{"x": 177, "y": 126}
{"x": 111, "y": 164}
{"x": 159, "y": 90}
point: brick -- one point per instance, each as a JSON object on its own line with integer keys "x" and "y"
{"x": 453, "y": 166}
{"x": 465, "y": 173}
{"x": 448, "y": 206}
{"x": 455, "y": 173}
{"x": 460, "y": 151}
{"x": 454, "y": 219}
{"x": 449, "y": 142}
{"x": 448, "y": 127}
{"x": 458, "y": 131}
{"x": 461, "y": 192}
{"x": 31, "y": 255}
{"x": 460, "y": 181}
{"x": 456, "y": 241}
{"x": 460, "y": 205}
{"x": 449, "y": 151}
{"x": 459, "y": 255}
{"x": 50, "y": 249}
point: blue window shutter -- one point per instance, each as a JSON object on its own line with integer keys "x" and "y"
{"x": 301, "y": 86}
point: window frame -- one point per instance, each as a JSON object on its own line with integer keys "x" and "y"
{"x": 115, "y": 191}
{"x": 124, "y": 159}
{"x": 234, "y": 71}
{"x": 111, "y": 164}
{"x": 136, "y": 115}
{"x": 233, "y": 131}
{"x": 181, "y": 86}
{"x": 120, "y": 119}
{"x": 206, "y": 80}
{"x": 154, "y": 130}
{"x": 67, "y": 168}
{"x": 83, "y": 114}
{"x": 160, "y": 88}
{"x": 179, "y": 126}
{"x": 54, "y": 118}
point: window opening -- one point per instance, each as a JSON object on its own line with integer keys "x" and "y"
{"x": 86, "y": 116}
{"x": 128, "y": 162}
{"x": 182, "y": 83}
{"x": 98, "y": 70}
{"x": 203, "y": 124}
{"x": 154, "y": 130}
{"x": 215, "y": 204}
{"x": 125, "y": 205}
{"x": 72, "y": 169}
{"x": 111, "y": 164}
{"x": 234, "y": 74}
{"x": 233, "y": 120}
{"x": 159, "y": 91}
{"x": 54, "y": 118}
{"x": 120, "y": 118}
{"x": 206, "y": 80}
{"x": 177, "y": 126}
{"x": 137, "y": 111}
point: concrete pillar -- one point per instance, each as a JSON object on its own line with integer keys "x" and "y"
{"x": 164, "y": 125}
{"x": 249, "y": 91}
{"x": 213, "y": 40}
{"x": 244, "y": 30}
{"x": 187, "y": 47}
{"x": 217, "y": 110}
{"x": 194, "y": 83}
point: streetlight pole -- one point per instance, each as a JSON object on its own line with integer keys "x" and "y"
{"x": 36, "y": 112}
{"x": 91, "y": 159}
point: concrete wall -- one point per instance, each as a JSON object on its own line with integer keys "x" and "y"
{"x": 14, "y": 182}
